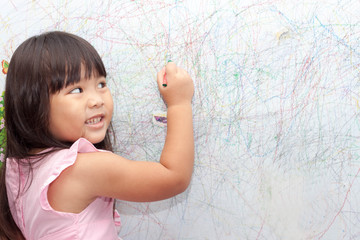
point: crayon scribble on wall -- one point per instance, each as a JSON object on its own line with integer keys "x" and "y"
{"x": 276, "y": 108}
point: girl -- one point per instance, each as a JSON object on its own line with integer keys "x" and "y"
{"x": 56, "y": 183}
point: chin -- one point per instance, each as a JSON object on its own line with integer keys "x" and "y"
{"x": 95, "y": 140}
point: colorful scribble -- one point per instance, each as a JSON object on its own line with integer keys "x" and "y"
{"x": 276, "y": 108}
{"x": 5, "y": 66}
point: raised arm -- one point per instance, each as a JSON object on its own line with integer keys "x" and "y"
{"x": 178, "y": 152}
{"x": 110, "y": 175}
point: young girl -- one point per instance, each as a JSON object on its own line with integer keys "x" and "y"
{"x": 56, "y": 183}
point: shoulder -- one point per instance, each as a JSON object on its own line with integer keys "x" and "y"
{"x": 68, "y": 184}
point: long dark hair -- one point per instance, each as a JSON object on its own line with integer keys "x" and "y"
{"x": 39, "y": 67}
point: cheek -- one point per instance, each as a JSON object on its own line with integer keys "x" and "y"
{"x": 110, "y": 105}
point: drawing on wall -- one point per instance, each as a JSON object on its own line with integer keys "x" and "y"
{"x": 5, "y": 66}
{"x": 276, "y": 108}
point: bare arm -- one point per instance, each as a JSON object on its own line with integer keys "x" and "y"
{"x": 178, "y": 151}
{"x": 107, "y": 174}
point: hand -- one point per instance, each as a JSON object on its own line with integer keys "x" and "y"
{"x": 180, "y": 87}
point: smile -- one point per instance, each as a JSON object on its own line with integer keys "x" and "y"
{"x": 93, "y": 120}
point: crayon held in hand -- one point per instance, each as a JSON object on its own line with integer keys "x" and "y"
{"x": 164, "y": 81}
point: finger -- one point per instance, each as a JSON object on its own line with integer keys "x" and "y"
{"x": 171, "y": 68}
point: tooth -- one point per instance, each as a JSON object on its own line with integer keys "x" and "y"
{"x": 93, "y": 120}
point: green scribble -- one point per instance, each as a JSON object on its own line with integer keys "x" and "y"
{"x": 2, "y": 129}
{"x": 249, "y": 140}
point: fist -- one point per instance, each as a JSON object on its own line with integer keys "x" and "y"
{"x": 179, "y": 88}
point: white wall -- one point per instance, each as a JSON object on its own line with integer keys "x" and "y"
{"x": 275, "y": 110}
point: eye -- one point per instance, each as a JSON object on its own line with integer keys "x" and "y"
{"x": 76, "y": 90}
{"x": 102, "y": 85}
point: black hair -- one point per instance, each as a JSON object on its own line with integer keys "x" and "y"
{"x": 42, "y": 65}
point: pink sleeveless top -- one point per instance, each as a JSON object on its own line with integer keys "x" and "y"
{"x": 33, "y": 213}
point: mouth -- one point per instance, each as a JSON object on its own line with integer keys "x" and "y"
{"x": 94, "y": 120}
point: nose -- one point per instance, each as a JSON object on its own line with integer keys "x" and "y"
{"x": 95, "y": 100}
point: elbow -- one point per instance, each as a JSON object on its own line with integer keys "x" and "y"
{"x": 182, "y": 183}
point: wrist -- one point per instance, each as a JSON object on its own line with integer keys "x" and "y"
{"x": 179, "y": 105}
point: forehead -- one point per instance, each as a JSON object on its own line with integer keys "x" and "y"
{"x": 75, "y": 74}
{"x": 86, "y": 73}
{"x": 86, "y": 77}
{"x": 70, "y": 59}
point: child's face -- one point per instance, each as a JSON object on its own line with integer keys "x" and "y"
{"x": 81, "y": 110}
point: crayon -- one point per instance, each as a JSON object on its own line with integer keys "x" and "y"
{"x": 164, "y": 81}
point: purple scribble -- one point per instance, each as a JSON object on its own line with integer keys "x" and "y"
{"x": 161, "y": 119}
